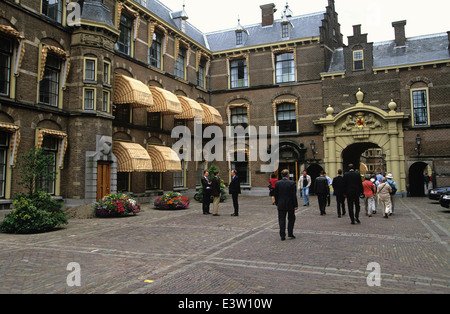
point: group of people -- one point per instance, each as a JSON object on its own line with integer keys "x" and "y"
{"x": 212, "y": 188}
{"x": 348, "y": 186}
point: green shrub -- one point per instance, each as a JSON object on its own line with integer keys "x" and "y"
{"x": 34, "y": 214}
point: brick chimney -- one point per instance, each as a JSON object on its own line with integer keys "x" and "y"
{"x": 400, "y": 37}
{"x": 268, "y": 11}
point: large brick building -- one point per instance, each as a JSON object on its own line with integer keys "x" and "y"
{"x": 102, "y": 93}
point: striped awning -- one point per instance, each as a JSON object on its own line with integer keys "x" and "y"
{"x": 60, "y": 53}
{"x": 14, "y": 140}
{"x": 164, "y": 101}
{"x": 164, "y": 159}
{"x": 20, "y": 52}
{"x": 62, "y": 148}
{"x": 131, "y": 157}
{"x": 128, "y": 90}
{"x": 191, "y": 109}
{"x": 211, "y": 115}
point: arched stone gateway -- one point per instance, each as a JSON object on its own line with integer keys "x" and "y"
{"x": 365, "y": 125}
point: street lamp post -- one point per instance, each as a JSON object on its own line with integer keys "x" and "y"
{"x": 418, "y": 143}
{"x": 313, "y": 149}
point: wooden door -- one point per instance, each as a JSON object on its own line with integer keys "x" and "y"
{"x": 103, "y": 179}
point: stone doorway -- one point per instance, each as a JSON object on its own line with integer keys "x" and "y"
{"x": 349, "y": 133}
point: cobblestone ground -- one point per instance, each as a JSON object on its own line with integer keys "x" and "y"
{"x": 187, "y": 252}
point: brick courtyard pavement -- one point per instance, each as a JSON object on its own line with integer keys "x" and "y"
{"x": 187, "y": 252}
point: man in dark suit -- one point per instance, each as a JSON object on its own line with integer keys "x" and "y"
{"x": 353, "y": 189}
{"x": 322, "y": 190}
{"x": 338, "y": 187}
{"x": 235, "y": 189}
{"x": 206, "y": 184}
{"x": 286, "y": 201}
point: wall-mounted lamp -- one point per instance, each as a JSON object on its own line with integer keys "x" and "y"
{"x": 313, "y": 149}
{"x": 418, "y": 143}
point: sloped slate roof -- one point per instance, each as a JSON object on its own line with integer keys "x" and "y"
{"x": 302, "y": 27}
{"x": 164, "y": 13}
{"x": 422, "y": 49}
{"x": 417, "y": 50}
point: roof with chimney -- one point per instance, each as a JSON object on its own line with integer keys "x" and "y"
{"x": 304, "y": 26}
{"x": 417, "y": 50}
{"x": 301, "y": 27}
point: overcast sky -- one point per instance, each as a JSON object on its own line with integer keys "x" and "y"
{"x": 375, "y": 16}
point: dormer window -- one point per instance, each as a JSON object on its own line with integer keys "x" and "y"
{"x": 239, "y": 40}
{"x": 240, "y": 33}
{"x": 285, "y": 30}
{"x": 358, "y": 60}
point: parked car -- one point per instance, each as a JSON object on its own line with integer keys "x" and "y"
{"x": 445, "y": 200}
{"x": 435, "y": 194}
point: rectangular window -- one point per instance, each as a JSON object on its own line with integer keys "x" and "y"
{"x": 242, "y": 167}
{"x": 123, "y": 182}
{"x": 358, "y": 60}
{"x": 154, "y": 52}
{"x": 201, "y": 76}
{"x": 239, "y": 116}
{"x": 285, "y": 30}
{"x": 53, "y": 9}
{"x": 106, "y": 73}
{"x": 125, "y": 27}
{"x": 153, "y": 181}
{"x": 178, "y": 177}
{"x": 4, "y": 144}
{"x": 105, "y": 101}
{"x": 285, "y": 67}
{"x": 89, "y": 99}
{"x": 179, "y": 64}
{"x": 49, "y": 85}
{"x": 90, "y": 69}
{"x": 239, "y": 75}
{"x": 420, "y": 107}
{"x": 5, "y": 65}
{"x": 50, "y": 146}
{"x": 238, "y": 38}
{"x": 122, "y": 113}
{"x": 286, "y": 118}
{"x": 154, "y": 120}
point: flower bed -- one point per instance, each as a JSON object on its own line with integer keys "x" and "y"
{"x": 172, "y": 200}
{"x": 116, "y": 205}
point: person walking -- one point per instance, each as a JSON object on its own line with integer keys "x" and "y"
{"x": 369, "y": 193}
{"x": 206, "y": 185}
{"x": 391, "y": 182}
{"x": 322, "y": 190}
{"x": 384, "y": 191}
{"x": 304, "y": 183}
{"x": 338, "y": 187}
{"x": 287, "y": 204}
{"x": 353, "y": 190}
{"x": 272, "y": 181}
{"x": 235, "y": 189}
{"x": 215, "y": 192}
{"x": 330, "y": 185}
